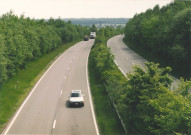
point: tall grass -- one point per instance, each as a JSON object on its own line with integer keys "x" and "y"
{"x": 15, "y": 90}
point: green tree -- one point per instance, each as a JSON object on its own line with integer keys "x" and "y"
{"x": 165, "y": 34}
{"x": 143, "y": 86}
{"x": 174, "y": 115}
{"x": 3, "y": 61}
{"x": 184, "y": 88}
{"x": 93, "y": 28}
{"x": 24, "y": 39}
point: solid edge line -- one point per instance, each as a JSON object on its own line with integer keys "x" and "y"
{"x": 27, "y": 98}
{"x": 115, "y": 60}
{"x": 90, "y": 97}
{"x": 54, "y": 125}
{"x": 120, "y": 69}
{"x": 111, "y": 100}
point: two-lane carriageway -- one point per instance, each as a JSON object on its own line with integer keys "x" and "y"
{"x": 125, "y": 58}
{"x": 45, "y": 110}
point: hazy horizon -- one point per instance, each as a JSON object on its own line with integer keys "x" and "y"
{"x": 46, "y": 9}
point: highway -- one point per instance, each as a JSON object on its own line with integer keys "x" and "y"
{"x": 125, "y": 58}
{"x": 46, "y": 110}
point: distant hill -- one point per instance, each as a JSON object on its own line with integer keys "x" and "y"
{"x": 99, "y": 22}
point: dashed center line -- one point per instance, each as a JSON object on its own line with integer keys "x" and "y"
{"x": 54, "y": 124}
{"x": 61, "y": 93}
{"x": 65, "y": 77}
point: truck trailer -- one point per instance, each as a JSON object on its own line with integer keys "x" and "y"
{"x": 92, "y": 35}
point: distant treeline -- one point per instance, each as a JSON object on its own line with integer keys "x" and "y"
{"x": 164, "y": 33}
{"x": 24, "y": 39}
{"x": 98, "y": 21}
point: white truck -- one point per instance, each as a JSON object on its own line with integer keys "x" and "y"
{"x": 92, "y": 35}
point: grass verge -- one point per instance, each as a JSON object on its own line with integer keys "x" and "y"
{"x": 15, "y": 90}
{"x": 107, "y": 119}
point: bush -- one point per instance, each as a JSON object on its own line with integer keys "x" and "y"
{"x": 144, "y": 99}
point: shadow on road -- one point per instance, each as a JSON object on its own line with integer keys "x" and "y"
{"x": 72, "y": 106}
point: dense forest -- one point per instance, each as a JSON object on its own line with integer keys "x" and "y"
{"x": 164, "y": 33}
{"x": 144, "y": 99}
{"x": 24, "y": 39}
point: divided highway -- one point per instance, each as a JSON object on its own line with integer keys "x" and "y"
{"x": 125, "y": 58}
{"x": 46, "y": 111}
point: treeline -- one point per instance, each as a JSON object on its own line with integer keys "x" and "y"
{"x": 164, "y": 33}
{"x": 98, "y": 21}
{"x": 143, "y": 99}
{"x": 24, "y": 39}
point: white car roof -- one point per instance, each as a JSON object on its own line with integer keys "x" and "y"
{"x": 76, "y": 91}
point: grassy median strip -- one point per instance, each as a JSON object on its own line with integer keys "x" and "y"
{"x": 15, "y": 90}
{"x": 107, "y": 119}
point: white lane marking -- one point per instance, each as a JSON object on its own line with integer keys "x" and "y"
{"x": 65, "y": 77}
{"x": 90, "y": 97}
{"x": 71, "y": 61}
{"x": 68, "y": 67}
{"x": 61, "y": 93}
{"x": 120, "y": 69}
{"x": 54, "y": 125}
{"x": 27, "y": 98}
{"x": 116, "y": 62}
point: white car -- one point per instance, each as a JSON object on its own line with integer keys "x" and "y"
{"x": 76, "y": 98}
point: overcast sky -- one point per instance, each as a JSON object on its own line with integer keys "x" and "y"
{"x": 78, "y": 8}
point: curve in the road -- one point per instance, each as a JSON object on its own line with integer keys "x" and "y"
{"x": 125, "y": 58}
{"x": 45, "y": 110}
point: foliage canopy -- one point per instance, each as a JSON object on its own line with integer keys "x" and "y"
{"x": 24, "y": 39}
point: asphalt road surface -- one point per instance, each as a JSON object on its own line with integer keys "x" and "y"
{"x": 125, "y": 58}
{"x": 46, "y": 110}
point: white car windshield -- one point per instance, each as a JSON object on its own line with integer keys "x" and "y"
{"x": 75, "y": 95}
